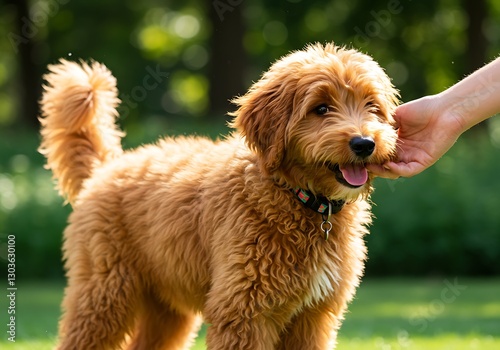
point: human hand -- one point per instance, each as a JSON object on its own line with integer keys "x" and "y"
{"x": 425, "y": 133}
{"x": 429, "y": 126}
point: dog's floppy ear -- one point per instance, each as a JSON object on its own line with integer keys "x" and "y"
{"x": 262, "y": 117}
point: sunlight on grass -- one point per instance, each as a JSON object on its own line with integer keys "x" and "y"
{"x": 29, "y": 345}
{"x": 443, "y": 342}
{"x": 447, "y": 342}
{"x": 423, "y": 314}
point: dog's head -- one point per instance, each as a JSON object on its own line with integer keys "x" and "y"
{"x": 317, "y": 117}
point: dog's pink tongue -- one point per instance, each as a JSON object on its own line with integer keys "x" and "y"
{"x": 355, "y": 174}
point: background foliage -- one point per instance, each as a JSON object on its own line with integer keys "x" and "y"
{"x": 202, "y": 53}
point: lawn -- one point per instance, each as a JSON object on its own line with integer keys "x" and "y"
{"x": 443, "y": 313}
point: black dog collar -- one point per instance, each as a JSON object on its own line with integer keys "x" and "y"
{"x": 319, "y": 204}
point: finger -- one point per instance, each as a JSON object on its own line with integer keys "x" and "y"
{"x": 398, "y": 113}
{"x": 382, "y": 171}
{"x": 404, "y": 169}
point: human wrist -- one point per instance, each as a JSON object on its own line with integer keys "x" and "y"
{"x": 476, "y": 97}
{"x": 455, "y": 109}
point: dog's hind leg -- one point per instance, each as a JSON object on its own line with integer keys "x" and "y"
{"x": 160, "y": 328}
{"x": 98, "y": 312}
{"x": 104, "y": 288}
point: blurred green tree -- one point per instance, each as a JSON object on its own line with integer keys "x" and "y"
{"x": 212, "y": 50}
{"x": 185, "y": 59}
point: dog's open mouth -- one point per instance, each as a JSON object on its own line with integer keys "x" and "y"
{"x": 350, "y": 175}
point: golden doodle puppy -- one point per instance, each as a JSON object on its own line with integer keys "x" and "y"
{"x": 259, "y": 234}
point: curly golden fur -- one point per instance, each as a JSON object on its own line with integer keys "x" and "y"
{"x": 166, "y": 234}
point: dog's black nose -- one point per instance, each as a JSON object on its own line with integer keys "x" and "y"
{"x": 362, "y": 146}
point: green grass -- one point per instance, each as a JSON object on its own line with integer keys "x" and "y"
{"x": 424, "y": 314}
{"x": 386, "y": 314}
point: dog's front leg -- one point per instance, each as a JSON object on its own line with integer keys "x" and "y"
{"x": 242, "y": 334}
{"x": 237, "y": 318}
{"x": 311, "y": 329}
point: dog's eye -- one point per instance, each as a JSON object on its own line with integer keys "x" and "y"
{"x": 371, "y": 106}
{"x": 322, "y": 109}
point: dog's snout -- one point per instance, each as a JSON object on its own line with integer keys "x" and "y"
{"x": 362, "y": 146}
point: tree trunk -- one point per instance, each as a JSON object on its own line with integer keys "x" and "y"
{"x": 228, "y": 58}
{"x": 22, "y": 41}
{"x": 477, "y": 45}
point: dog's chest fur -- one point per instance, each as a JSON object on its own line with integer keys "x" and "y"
{"x": 310, "y": 277}
{"x": 321, "y": 284}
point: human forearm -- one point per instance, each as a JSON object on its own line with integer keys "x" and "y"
{"x": 475, "y": 98}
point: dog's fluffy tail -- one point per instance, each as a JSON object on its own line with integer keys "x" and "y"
{"x": 78, "y": 122}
